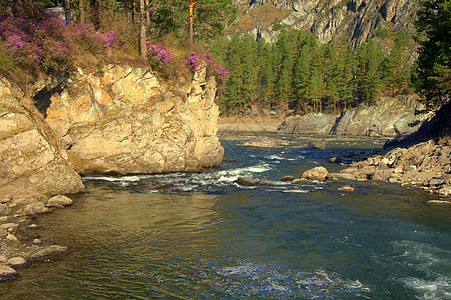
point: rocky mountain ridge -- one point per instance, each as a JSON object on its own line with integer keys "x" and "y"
{"x": 353, "y": 20}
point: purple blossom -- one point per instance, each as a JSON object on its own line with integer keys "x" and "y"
{"x": 193, "y": 61}
{"x": 158, "y": 54}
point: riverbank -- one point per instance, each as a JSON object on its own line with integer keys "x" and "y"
{"x": 421, "y": 159}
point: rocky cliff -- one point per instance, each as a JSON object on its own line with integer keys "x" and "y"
{"x": 118, "y": 120}
{"x": 387, "y": 117}
{"x": 123, "y": 121}
{"x": 33, "y": 165}
{"x": 355, "y": 20}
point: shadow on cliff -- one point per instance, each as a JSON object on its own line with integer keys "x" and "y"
{"x": 437, "y": 127}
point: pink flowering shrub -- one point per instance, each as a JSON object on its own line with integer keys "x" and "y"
{"x": 219, "y": 71}
{"x": 193, "y": 61}
{"x": 158, "y": 54}
{"x": 40, "y": 42}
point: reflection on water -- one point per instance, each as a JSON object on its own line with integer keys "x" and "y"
{"x": 208, "y": 238}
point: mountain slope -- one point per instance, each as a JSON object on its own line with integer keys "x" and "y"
{"x": 354, "y": 20}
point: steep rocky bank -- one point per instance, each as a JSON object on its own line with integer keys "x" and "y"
{"x": 123, "y": 121}
{"x": 421, "y": 159}
{"x": 118, "y": 120}
{"x": 386, "y": 118}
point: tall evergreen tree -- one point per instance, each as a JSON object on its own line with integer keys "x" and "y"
{"x": 433, "y": 70}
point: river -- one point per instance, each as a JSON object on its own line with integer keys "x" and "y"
{"x": 208, "y": 238}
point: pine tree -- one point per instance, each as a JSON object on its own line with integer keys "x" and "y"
{"x": 433, "y": 70}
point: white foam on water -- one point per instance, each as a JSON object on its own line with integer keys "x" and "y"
{"x": 115, "y": 179}
{"x": 433, "y": 262}
{"x": 439, "y": 288}
{"x": 253, "y": 278}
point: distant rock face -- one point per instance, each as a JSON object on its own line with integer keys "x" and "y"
{"x": 122, "y": 121}
{"x": 355, "y": 20}
{"x": 32, "y": 163}
{"x": 317, "y": 123}
{"x": 387, "y": 117}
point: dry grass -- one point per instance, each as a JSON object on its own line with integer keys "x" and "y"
{"x": 263, "y": 15}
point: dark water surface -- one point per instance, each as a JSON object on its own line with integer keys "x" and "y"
{"x": 207, "y": 238}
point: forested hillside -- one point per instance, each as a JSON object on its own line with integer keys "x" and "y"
{"x": 297, "y": 72}
{"x": 295, "y": 69}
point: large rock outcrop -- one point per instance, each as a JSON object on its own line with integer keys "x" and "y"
{"x": 387, "y": 117}
{"x": 121, "y": 120}
{"x": 355, "y": 20}
{"x": 33, "y": 165}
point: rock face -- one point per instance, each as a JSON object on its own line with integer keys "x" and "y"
{"x": 32, "y": 162}
{"x": 309, "y": 123}
{"x": 119, "y": 120}
{"x": 387, "y": 117}
{"x": 329, "y": 20}
{"x": 122, "y": 121}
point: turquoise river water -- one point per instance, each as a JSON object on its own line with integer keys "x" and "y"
{"x": 207, "y": 238}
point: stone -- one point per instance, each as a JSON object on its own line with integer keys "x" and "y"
{"x": 444, "y": 190}
{"x": 32, "y": 227}
{"x": 300, "y": 181}
{"x": 11, "y": 237}
{"x": 346, "y": 188}
{"x": 3, "y": 259}
{"x": 7, "y": 273}
{"x": 335, "y": 160}
{"x": 37, "y": 242}
{"x": 34, "y": 208}
{"x": 18, "y": 262}
{"x": 317, "y": 173}
{"x": 59, "y": 201}
{"x": 246, "y": 181}
{"x": 10, "y": 227}
{"x": 436, "y": 181}
{"x": 288, "y": 178}
{"x": 47, "y": 252}
{"x": 3, "y": 233}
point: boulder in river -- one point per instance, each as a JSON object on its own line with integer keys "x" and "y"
{"x": 288, "y": 178}
{"x": 317, "y": 173}
{"x": 59, "y": 201}
{"x": 18, "y": 262}
{"x": 246, "y": 181}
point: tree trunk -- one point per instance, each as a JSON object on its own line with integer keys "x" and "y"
{"x": 133, "y": 10}
{"x": 10, "y": 8}
{"x": 67, "y": 11}
{"x": 142, "y": 20}
{"x": 147, "y": 14}
{"x": 82, "y": 11}
{"x": 191, "y": 21}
